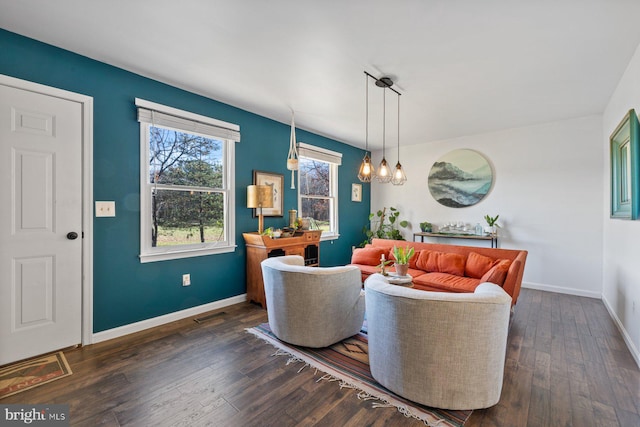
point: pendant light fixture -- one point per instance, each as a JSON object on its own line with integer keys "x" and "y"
{"x": 399, "y": 176}
{"x": 384, "y": 174}
{"x": 367, "y": 170}
{"x": 292, "y": 158}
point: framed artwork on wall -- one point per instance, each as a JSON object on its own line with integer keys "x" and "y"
{"x": 275, "y": 180}
{"x": 356, "y": 192}
{"x": 460, "y": 178}
{"x": 625, "y": 165}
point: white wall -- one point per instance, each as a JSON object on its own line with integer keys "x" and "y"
{"x": 548, "y": 190}
{"x": 621, "y": 275}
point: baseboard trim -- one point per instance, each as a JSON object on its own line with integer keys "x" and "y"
{"x": 627, "y": 339}
{"x": 167, "y": 318}
{"x": 561, "y": 290}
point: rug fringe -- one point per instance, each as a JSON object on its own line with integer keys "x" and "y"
{"x": 379, "y": 401}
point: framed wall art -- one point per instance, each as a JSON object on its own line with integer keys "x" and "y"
{"x": 356, "y": 192}
{"x": 625, "y": 165}
{"x": 275, "y": 180}
{"x": 460, "y": 178}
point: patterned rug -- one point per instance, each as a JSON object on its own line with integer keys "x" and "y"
{"x": 31, "y": 373}
{"x": 348, "y": 363}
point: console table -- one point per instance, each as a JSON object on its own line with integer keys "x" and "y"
{"x": 492, "y": 237}
{"x": 305, "y": 243}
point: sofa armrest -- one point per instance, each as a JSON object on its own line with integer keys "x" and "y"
{"x": 513, "y": 281}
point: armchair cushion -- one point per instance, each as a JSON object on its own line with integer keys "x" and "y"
{"x": 445, "y": 350}
{"x": 312, "y": 306}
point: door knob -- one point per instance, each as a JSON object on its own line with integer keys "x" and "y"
{"x": 72, "y": 235}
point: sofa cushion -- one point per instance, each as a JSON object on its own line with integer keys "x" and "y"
{"x": 477, "y": 265}
{"x": 497, "y": 273}
{"x": 412, "y": 262}
{"x": 367, "y": 256}
{"x": 441, "y": 262}
{"x": 445, "y": 282}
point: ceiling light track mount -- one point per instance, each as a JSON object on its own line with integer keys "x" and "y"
{"x": 385, "y": 82}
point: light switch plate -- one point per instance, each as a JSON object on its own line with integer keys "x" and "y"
{"x": 105, "y": 209}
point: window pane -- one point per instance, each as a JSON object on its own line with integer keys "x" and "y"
{"x": 186, "y": 217}
{"x": 180, "y": 158}
{"x": 319, "y": 210}
{"x": 314, "y": 177}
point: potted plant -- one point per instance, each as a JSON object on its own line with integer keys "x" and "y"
{"x": 384, "y": 225}
{"x": 426, "y": 227}
{"x": 402, "y": 256}
{"x": 493, "y": 223}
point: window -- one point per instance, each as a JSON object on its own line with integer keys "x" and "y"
{"x": 187, "y": 206}
{"x": 318, "y": 188}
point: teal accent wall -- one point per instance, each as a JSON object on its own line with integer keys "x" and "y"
{"x": 124, "y": 290}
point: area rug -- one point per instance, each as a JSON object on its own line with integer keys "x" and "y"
{"x": 32, "y": 373}
{"x": 348, "y": 363}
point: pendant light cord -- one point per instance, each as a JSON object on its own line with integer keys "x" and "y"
{"x": 384, "y": 120}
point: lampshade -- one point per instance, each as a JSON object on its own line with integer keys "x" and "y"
{"x": 399, "y": 177}
{"x": 259, "y": 196}
{"x": 366, "y": 171}
{"x": 384, "y": 174}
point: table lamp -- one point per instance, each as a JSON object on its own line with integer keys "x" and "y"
{"x": 258, "y": 197}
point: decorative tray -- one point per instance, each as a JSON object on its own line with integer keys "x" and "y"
{"x": 395, "y": 279}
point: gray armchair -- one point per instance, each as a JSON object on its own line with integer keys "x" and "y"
{"x": 312, "y": 306}
{"x": 444, "y": 350}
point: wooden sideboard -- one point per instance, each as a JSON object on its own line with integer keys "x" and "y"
{"x": 305, "y": 243}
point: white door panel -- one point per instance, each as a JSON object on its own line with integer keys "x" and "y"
{"x": 40, "y": 202}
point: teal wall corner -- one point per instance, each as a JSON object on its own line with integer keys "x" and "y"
{"x": 124, "y": 290}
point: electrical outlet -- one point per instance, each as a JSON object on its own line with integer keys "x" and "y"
{"x": 186, "y": 279}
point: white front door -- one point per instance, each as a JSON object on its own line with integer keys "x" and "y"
{"x": 40, "y": 209}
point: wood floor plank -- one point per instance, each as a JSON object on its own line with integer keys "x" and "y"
{"x": 566, "y": 365}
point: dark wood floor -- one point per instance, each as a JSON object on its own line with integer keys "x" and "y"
{"x": 567, "y": 365}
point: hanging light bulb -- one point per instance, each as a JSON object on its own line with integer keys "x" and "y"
{"x": 399, "y": 176}
{"x": 292, "y": 158}
{"x": 367, "y": 170}
{"x": 384, "y": 174}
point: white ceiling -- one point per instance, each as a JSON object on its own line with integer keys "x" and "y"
{"x": 463, "y": 66}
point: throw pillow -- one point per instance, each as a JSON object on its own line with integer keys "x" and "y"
{"x": 497, "y": 273}
{"x": 441, "y": 262}
{"x": 367, "y": 256}
{"x": 477, "y": 265}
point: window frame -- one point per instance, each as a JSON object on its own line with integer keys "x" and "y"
{"x": 149, "y": 253}
{"x": 323, "y": 155}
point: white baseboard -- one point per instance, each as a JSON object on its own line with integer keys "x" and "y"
{"x": 623, "y": 331}
{"x": 561, "y": 290}
{"x": 167, "y": 318}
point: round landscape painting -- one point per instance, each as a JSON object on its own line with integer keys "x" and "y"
{"x": 460, "y": 178}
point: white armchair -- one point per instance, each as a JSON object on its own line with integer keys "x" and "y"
{"x": 444, "y": 350}
{"x": 312, "y": 306}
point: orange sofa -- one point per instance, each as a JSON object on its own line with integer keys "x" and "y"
{"x": 448, "y": 268}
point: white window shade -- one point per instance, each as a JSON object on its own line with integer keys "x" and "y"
{"x": 160, "y": 115}
{"x": 317, "y": 153}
